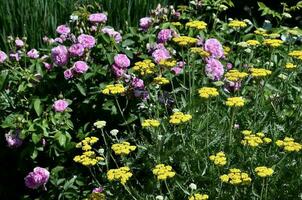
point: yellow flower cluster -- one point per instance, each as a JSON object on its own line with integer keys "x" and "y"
{"x": 272, "y": 42}
{"x": 290, "y": 66}
{"x": 161, "y": 80}
{"x": 88, "y": 158}
{"x": 226, "y": 50}
{"x": 123, "y": 148}
{"x": 121, "y": 174}
{"x": 207, "y": 92}
{"x": 200, "y": 51}
{"x": 219, "y": 159}
{"x": 163, "y": 172}
{"x": 260, "y": 72}
{"x": 145, "y": 67}
{"x": 236, "y": 177}
{"x": 296, "y": 54}
{"x": 198, "y": 196}
{"x": 114, "y": 89}
{"x": 168, "y": 63}
{"x": 235, "y": 102}
{"x": 150, "y": 123}
{"x": 200, "y": 25}
{"x": 289, "y": 144}
{"x": 237, "y": 24}
{"x": 235, "y": 75}
{"x": 252, "y": 42}
{"x": 185, "y": 40}
{"x": 179, "y": 117}
{"x": 254, "y": 140}
{"x": 261, "y": 31}
{"x": 264, "y": 171}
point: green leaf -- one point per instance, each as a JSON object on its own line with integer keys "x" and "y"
{"x": 36, "y": 138}
{"x": 131, "y": 119}
{"x": 38, "y": 106}
{"x": 81, "y": 89}
{"x": 3, "y": 79}
{"x": 61, "y": 138}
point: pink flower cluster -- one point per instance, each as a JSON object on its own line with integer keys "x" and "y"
{"x": 145, "y": 23}
{"x": 161, "y": 54}
{"x": 13, "y": 140}
{"x": 214, "y": 47}
{"x": 214, "y": 69}
{"x": 60, "y": 105}
{"x": 79, "y": 67}
{"x": 121, "y": 63}
{"x": 37, "y": 178}
{"x": 97, "y": 18}
{"x": 34, "y": 54}
{"x": 164, "y": 35}
{"x": 3, "y": 57}
{"x": 112, "y": 33}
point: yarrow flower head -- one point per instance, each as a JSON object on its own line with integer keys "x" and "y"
{"x": 237, "y": 24}
{"x": 214, "y": 69}
{"x": 59, "y": 55}
{"x": 100, "y": 124}
{"x": 114, "y": 89}
{"x": 98, "y": 18}
{"x": 145, "y": 67}
{"x": 121, "y": 174}
{"x": 236, "y": 177}
{"x": 235, "y": 102}
{"x": 296, "y": 54}
{"x": 252, "y": 42}
{"x": 161, "y": 80}
{"x": 60, "y": 105}
{"x": 199, "y": 25}
{"x": 264, "y": 171}
{"x": 163, "y": 172}
{"x": 235, "y": 75}
{"x": 185, "y": 40}
{"x": 214, "y": 47}
{"x": 219, "y": 159}
{"x": 272, "y": 42}
{"x": 179, "y": 117}
{"x": 37, "y": 178}
{"x": 260, "y": 72}
{"x": 150, "y": 123}
{"x": 87, "y": 41}
{"x": 207, "y": 92}
{"x": 289, "y": 144}
{"x": 199, "y": 196}
{"x": 123, "y": 148}
{"x": 254, "y": 140}
{"x": 290, "y": 66}
{"x": 200, "y": 51}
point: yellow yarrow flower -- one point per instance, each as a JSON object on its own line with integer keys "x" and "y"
{"x": 200, "y": 51}
{"x": 289, "y": 144}
{"x": 226, "y": 50}
{"x": 161, "y": 80}
{"x": 123, "y": 148}
{"x": 114, "y": 89}
{"x": 150, "y": 123}
{"x": 121, "y": 174}
{"x": 235, "y": 75}
{"x": 199, "y": 196}
{"x": 252, "y": 42}
{"x": 235, "y": 102}
{"x": 200, "y": 25}
{"x": 264, "y": 171}
{"x": 219, "y": 159}
{"x": 179, "y": 117}
{"x": 290, "y": 66}
{"x": 168, "y": 63}
{"x": 163, "y": 172}
{"x": 261, "y": 31}
{"x": 272, "y": 42}
{"x": 237, "y": 24}
{"x": 236, "y": 177}
{"x": 185, "y": 40}
{"x": 145, "y": 67}
{"x": 296, "y": 54}
{"x": 207, "y": 92}
{"x": 254, "y": 140}
{"x": 260, "y": 72}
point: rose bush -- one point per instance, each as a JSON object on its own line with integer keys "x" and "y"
{"x": 188, "y": 106}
